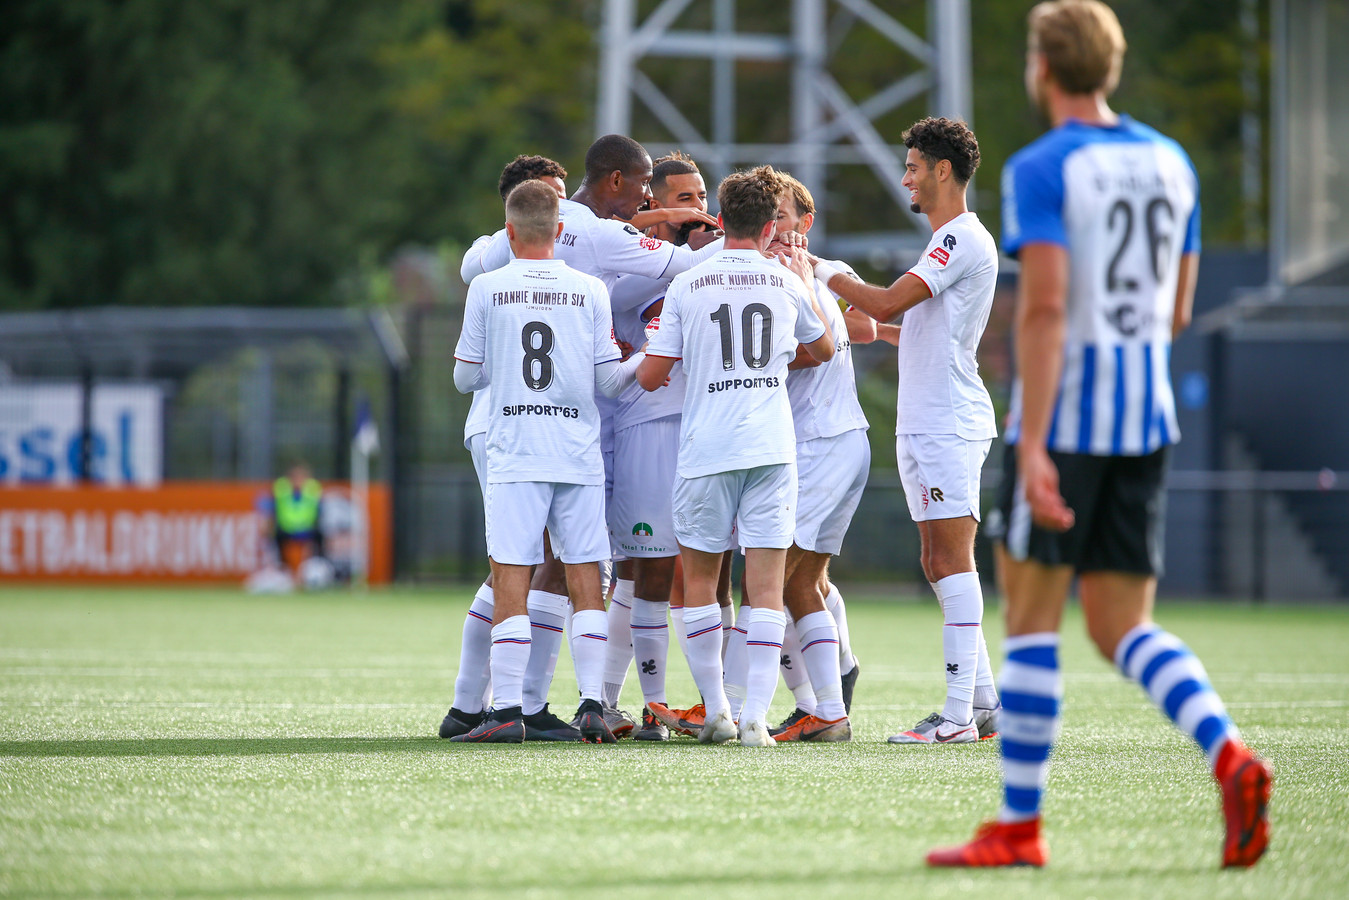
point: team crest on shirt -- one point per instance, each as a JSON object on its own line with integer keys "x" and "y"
{"x": 939, "y": 256}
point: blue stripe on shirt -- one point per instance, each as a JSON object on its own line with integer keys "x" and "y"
{"x": 1148, "y": 412}
{"x": 1117, "y": 429}
{"x": 1085, "y": 402}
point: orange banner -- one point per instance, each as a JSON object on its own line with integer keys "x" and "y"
{"x": 178, "y": 531}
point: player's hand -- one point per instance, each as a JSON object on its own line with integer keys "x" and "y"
{"x": 798, "y": 260}
{"x": 680, "y": 215}
{"x": 624, "y": 348}
{"x": 1040, "y": 479}
{"x": 700, "y": 239}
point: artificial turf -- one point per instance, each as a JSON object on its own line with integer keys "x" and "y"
{"x": 161, "y": 743}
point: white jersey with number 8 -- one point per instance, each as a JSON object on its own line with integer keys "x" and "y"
{"x": 539, "y": 328}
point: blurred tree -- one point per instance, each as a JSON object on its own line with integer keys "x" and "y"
{"x": 226, "y": 151}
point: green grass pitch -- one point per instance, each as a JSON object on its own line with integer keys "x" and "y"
{"x": 163, "y": 743}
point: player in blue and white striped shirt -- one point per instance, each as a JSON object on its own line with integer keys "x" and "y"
{"x": 1103, "y": 213}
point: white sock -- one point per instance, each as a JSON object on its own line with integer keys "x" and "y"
{"x": 510, "y": 654}
{"x": 763, "y": 649}
{"x": 475, "y": 653}
{"x": 727, "y": 626}
{"x": 793, "y": 667}
{"x": 618, "y": 651}
{"x": 736, "y": 665}
{"x": 677, "y": 625}
{"x": 588, "y": 641}
{"x": 819, "y": 637}
{"x": 703, "y": 624}
{"x": 985, "y": 685}
{"x": 547, "y": 619}
{"x": 833, "y": 601}
{"x": 650, "y": 646}
{"x": 962, "y": 603}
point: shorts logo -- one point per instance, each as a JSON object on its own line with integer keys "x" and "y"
{"x": 641, "y": 529}
{"x": 939, "y": 256}
{"x": 953, "y": 668}
{"x": 934, "y": 494}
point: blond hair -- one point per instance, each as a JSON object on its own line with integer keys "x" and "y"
{"x": 1082, "y": 42}
{"x": 531, "y": 207}
{"x": 800, "y": 194}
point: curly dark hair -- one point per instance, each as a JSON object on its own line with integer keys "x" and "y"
{"x": 674, "y": 164}
{"x": 749, "y": 201}
{"x": 948, "y": 139}
{"x": 527, "y": 168}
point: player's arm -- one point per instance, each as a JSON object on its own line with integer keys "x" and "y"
{"x": 882, "y": 304}
{"x": 888, "y": 333}
{"x": 670, "y": 215}
{"x": 1040, "y": 329}
{"x": 488, "y": 253}
{"x": 613, "y": 377}
{"x": 1185, "y": 284}
{"x": 861, "y": 327}
{"x": 469, "y": 376}
{"x": 654, "y": 371}
{"x": 803, "y": 359}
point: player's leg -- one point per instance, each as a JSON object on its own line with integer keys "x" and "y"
{"x": 735, "y": 658}
{"x": 818, "y": 635}
{"x": 548, "y": 609}
{"x": 516, "y": 514}
{"x": 941, "y": 481}
{"x": 581, "y": 538}
{"x": 1117, "y": 606}
{"x": 618, "y": 654}
{"x": 794, "y": 674}
{"x": 766, "y": 524}
{"x": 724, "y": 599}
{"x": 704, "y": 513}
{"x": 651, "y": 635}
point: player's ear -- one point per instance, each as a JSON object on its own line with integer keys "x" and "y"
{"x": 943, "y": 169}
{"x": 558, "y": 233}
{"x": 720, "y": 224}
{"x": 510, "y": 232}
{"x": 615, "y": 180}
{"x": 806, "y": 221}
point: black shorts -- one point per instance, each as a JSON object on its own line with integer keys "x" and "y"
{"x": 1119, "y": 508}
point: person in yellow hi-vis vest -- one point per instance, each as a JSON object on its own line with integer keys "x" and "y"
{"x": 295, "y": 519}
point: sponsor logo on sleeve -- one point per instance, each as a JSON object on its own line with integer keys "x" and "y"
{"x": 649, "y": 243}
{"x": 939, "y": 256}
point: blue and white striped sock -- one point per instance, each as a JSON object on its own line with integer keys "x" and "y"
{"x": 1176, "y": 681}
{"x": 1032, "y": 687}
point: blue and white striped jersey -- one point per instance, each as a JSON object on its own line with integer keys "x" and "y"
{"x": 1124, "y": 201}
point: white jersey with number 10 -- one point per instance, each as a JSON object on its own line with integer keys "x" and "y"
{"x": 735, "y": 321}
{"x": 539, "y": 328}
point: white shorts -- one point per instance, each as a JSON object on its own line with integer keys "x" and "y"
{"x": 518, "y": 511}
{"x": 477, "y": 448}
{"x": 645, "y": 459}
{"x": 831, "y": 474}
{"x": 940, "y": 474}
{"x": 755, "y": 508}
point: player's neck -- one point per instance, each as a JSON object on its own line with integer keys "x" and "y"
{"x": 1090, "y": 109}
{"x": 532, "y": 251}
{"x": 949, "y": 208}
{"x": 595, "y": 204}
{"x": 734, "y": 243}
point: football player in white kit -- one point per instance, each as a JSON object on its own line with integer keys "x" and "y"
{"x": 597, "y": 239}
{"x": 646, "y": 449}
{"x": 541, "y": 335}
{"x": 833, "y": 458}
{"x": 945, "y": 421}
{"x": 472, "y": 683}
{"x": 735, "y": 322}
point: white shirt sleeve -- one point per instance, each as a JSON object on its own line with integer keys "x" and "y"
{"x": 613, "y": 377}
{"x": 949, "y": 260}
{"x": 685, "y": 258}
{"x": 620, "y": 247}
{"x": 488, "y": 253}
{"x": 808, "y": 324}
{"x": 606, "y": 348}
{"x": 472, "y": 346}
{"x": 669, "y": 340}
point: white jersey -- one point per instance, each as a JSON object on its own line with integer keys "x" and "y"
{"x": 940, "y": 391}
{"x": 1123, "y": 200}
{"x": 479, "y": 413}
{"x": 605, "y": 248}
{"x": 824, "y": 397}
{"x": 539, "y": 329}
{"x": 735, "y": 321}
{"x": 632, "y": 296}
